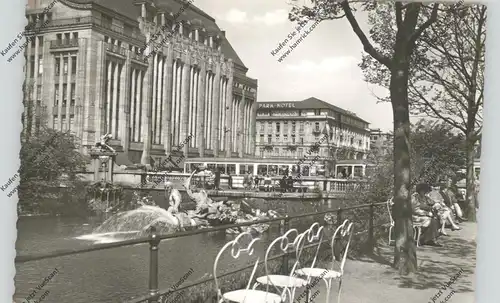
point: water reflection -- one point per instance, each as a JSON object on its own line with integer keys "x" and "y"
{"x": 117, "y": 274}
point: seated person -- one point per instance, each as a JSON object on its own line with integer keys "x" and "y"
{"x": 443, "y": 212}
{"x": 423, "y": 216}
{"x": 449, "y": 193}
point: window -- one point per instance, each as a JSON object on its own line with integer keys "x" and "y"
{"x": 39, "y": 92}
{"x": 316, "y": 126}
{"x": 285, "y": 127}
{"x": 277, "y": 127}
{"x": 293, "y": 127}
{"x": 317, "y": 112}
{"x": 261, "y": 127}
{"x": 293, "y": 139}
{"x": 269, "y": 126}
{"x": 57, "y": 67}
{"x": 40, "y": 41}
{"x": 56, "y": 98}
{"x": 276, "y": 151}
{"x": 301, "y": 140}
{"x": 56, "y": 122}
{"x": 65, "y": 66}
{"x": 375, "y": 137}
{"x": 285, "y": 138}
{"x": 58, "y": 37}
{"x": 261, "y": 139}
{"x": 40, "y": 65}
{"x": 73, "y": 65}
{"x": 352, "y": 141}
{"x": 269, "y": 139}
{"x": 277, "y": 137}
{"x": 301, "y": 127}
{"x": 300, "y": 152}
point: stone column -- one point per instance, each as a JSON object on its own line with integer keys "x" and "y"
{"x": 216, "y": 112}
{"x": 167, "y": 102}
{"x": 108, "y": 98}
{"x": 184, "y": 130}
{"x": 253, "y": 119}
{"x": 68, "y": 92}
{"x": 139, "y": 106}
{"x": 98, "y": 94}
{"x": 80, "y": 76}
{"x": 132, "y": 104}
{"x": 114, "y": 114}
{"x": 177, "y": 116}
{"x": 229, "y": 120}
{"x": 153, "y": 97}
{"x": 125, "y": 105}
{"x": 159, "y": 100}
{"x": 241, "y": 117}
{"x": 48, "y": 77}
{"x": 201, "y": 111}
{"x": 146, "y": 113}
{"x": 61, "y": 91}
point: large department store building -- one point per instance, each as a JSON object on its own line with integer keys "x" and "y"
{"x": 148, "y": 72}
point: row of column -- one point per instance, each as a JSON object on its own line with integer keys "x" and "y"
{"x": 112, "y": 99}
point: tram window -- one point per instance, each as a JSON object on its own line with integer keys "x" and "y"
{"x": 231, "y": 169}
{"x": 305, "y": 171}
{"x": 262, "y": 170}
{"x": 283, "y": 170}
{"x": 250, "y": 168}
{"x": 273, "y": 169}
{"x": 211, "y": 167}
{"x": 222, "y": 168}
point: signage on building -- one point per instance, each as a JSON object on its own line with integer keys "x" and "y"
{"x": 285, "y": 113}
{"x": 277, "y": 105}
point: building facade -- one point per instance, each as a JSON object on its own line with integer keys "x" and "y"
{"x": 292, "y": 128}
{"x": 381, "y": 141}
{"x": 150, "y": 73}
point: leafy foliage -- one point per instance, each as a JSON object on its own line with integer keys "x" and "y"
{"x": 49, "y": 160}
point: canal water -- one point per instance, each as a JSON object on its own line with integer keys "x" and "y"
{"x": 114, "y": 275}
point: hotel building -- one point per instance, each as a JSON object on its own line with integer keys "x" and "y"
{"x": 148, "y": 72}
{"x": 290, "y": 129}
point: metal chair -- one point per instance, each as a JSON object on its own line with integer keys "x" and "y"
{"x": 287, "y": 284}
{"x": 246, "y": 295}
{"x": 330, "y": 274}
{"x": 417, "y": 229}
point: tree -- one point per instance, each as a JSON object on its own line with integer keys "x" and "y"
{"x": 395, "y": 30}
{"x": 437, "y": 151}
{"x": 47, "y": 158}
{"x": 449, "y": 84}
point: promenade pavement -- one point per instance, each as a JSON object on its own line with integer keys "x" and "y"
{"x": 372, "y": 280}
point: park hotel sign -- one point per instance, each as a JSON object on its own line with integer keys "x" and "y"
{"x": 277, "y": 105}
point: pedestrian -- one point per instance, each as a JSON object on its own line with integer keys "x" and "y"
{"x": 230, "y": 181}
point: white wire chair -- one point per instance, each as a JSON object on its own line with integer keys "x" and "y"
{"x": 332, "y": 273}
{"x": 246, "y": 295}
{"x": 417, "y": 228}
{"x": 287, "y": 284}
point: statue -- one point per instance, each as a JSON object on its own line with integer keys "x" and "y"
{"x": 103, "y": 144}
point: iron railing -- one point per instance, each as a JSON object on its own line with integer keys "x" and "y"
{"x": 154, "y": 240}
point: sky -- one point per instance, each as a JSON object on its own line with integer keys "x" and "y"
{"x": 324, "y": 65}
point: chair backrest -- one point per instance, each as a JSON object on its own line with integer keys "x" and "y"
{"x": 341, "y": 233}
{"x": 390, "y": 202}
{"x": 312, "y": 238}
{"x": 242, "y": 244}
{"x": 287, "y": 243}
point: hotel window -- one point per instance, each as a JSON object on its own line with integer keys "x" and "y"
{"x": 352, "y": 141}
{"x": 269, "y": 126}
{"x": 65, "y": 66}
{"x": 316, "y": 126}
{"x": 276, "y": 151}
{"x": 58, "y": 37}
{"x": 269, "y": 139}
{"x": 317, "y": 112}
{"x": 73, "y": 65}
{"x": 293, "y": 127}
{"x": 56, "y": 98}
{"x": 293, "y": 139}
{"x": 261, "y": 139}
{"x": 277, "y": 127}
{"x": 285, "y": 138}
{"x": 277, "y": 138}
{"x": 261, "y": 127}
{"x": 40, "y": 65}
{"x": 285, "y": 127}
{"x": 301, "y": 127}
{"x": 75, "y": 35}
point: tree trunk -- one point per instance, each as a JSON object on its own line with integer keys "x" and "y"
{"x": 405, "y": 254}
{"x": 470, "y": 198}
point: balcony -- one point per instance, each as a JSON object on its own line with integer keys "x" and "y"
{"x": 115, "y": 49}
{"x": 65, "y": 43}
{"x": 316, "y": 131}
